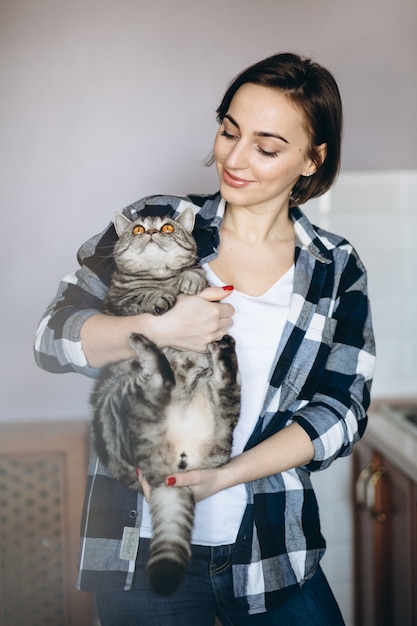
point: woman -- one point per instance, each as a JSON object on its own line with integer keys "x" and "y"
{"x": 300, "y": 315}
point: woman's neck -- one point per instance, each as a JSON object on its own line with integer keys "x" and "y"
{"x": 257, "y": 227}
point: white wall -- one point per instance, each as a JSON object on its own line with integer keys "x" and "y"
{"x": 378, "y": 212}
{"x": 103, "y": 101}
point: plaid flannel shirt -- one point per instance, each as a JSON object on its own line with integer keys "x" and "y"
{"x": 323, "y": 366}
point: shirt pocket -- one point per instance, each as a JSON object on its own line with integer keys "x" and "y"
{"x": 310, "y": 360}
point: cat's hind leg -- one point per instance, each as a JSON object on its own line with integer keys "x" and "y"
{"x": 225, "y": 365}
{"x": 224, "y": 386}
{"x": 151, "y": 367}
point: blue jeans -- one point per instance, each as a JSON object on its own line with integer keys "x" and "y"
{"x": 207, "y": 592}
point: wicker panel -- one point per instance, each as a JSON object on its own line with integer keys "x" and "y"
{"x": 32, "y": 538}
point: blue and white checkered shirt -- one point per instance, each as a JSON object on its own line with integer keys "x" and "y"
{"x": 323, "y": 368}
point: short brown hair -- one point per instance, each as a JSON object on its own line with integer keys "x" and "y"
{"x": 313, "y": 90}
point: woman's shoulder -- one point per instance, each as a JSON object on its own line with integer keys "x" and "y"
{"x": 204, "y": 205}
{"x": 163, "y": 204}
{"x": 324, "y": 242}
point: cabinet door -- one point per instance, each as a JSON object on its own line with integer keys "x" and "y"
{"x": 42, "y": 476}
{"x": 371, "y": 537}
{"x": 402, "y": 541}
{"x": 385, "y": 530}
{"x": 363, "y": 540}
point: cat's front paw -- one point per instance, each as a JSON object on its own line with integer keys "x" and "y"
{"x": 192, "y": 282}
{"x": 163, "y": 303}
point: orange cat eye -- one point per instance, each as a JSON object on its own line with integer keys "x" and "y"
{"x": 138, "y": 229}
{"x": 167, "y": 229}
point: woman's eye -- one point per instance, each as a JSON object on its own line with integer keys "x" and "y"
{"x": 224, "y": 133}
{"x": 167, "y": 229}
{"x": 267, "y": 153}
{"x": 138, "y": 229}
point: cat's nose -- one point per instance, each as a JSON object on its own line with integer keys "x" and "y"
{"x": 151, "y": 231}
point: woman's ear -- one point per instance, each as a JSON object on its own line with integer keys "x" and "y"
{"x": 321, "y": 152}
{"x": 316, "y": 161}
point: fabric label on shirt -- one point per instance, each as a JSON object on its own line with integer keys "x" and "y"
{"x": 130, "y": 543}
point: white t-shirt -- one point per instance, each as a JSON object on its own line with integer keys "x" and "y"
{"x": 257, "y": 328}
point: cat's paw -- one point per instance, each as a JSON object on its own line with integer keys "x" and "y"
{"x": 226, "y": 342}
{"x": 163, "y": 303}
{"x": 224, "y": 357}
{"x": 151, "y": 369}
{"x": 220, "y": 348}
{"x": 192, "y": 282}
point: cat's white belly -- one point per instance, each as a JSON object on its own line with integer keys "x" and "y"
{"x": 190, "y": 432}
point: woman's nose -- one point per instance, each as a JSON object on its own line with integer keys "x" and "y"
{"x": 238, "y": 157}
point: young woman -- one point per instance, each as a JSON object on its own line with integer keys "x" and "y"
{"x": 300, "y": 315}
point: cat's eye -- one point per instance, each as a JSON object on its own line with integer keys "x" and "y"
{"x": 167, "y": 229}
{"x": 138, "y": 229}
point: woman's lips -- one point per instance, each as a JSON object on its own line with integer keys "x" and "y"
{"x": 234, "y": 181}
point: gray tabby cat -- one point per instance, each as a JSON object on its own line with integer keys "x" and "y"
{"x": 167, "y": 410}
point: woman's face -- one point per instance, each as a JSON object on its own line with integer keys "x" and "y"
{"x": 261, "y": 149}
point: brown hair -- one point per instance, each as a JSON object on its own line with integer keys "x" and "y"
{"x": 313, "y": 90}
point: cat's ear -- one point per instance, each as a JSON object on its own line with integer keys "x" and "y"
{"x": 187, "y": 219}
{"x": 121, "y": 223}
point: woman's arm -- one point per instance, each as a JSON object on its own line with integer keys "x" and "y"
{"x": 74, "y": 336}
{"x": 193, "y": 323}
{"x": 288, "y": 448}
{"x": 334, "y": 418}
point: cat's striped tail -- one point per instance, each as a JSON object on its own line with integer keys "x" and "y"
{"x": 172, "y": 521}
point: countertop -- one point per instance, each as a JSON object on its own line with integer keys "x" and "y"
{"x": 392, "y": 434}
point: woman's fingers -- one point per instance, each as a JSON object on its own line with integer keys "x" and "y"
{"x": 144, "y": 484}
{"x": 195, "y": 321}
{"x": 202, "y": 482}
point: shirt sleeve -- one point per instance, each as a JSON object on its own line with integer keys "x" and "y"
{"x": 335, "y": 417}
{"x": 57, "y": 345}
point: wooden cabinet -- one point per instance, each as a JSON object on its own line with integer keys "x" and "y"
{"x": 385, "y": 534}
{"x": 43, "y": 469}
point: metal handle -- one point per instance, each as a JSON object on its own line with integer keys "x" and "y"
{"x": 370, "y": 496}
{"x": 362, "y": 483}
{"x": 365, "y": 488}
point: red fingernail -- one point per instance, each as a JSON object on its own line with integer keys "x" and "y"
{"x": 228, "y": 288}
{"x": 137, "y": 470}
{"x": 171, "y": 480}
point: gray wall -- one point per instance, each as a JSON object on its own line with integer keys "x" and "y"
{"x": 104, "y": 101}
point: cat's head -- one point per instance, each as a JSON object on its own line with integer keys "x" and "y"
{"x": 154, "y": 245}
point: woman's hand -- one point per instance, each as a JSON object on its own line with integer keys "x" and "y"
{"x": 146, "y": 488}
{"x": 290, "y": 447}
{"x": 204, "y": 483}
{"x": 193, "y": 323}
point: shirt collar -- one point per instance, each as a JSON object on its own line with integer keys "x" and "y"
{"x": 310, "y": 238}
